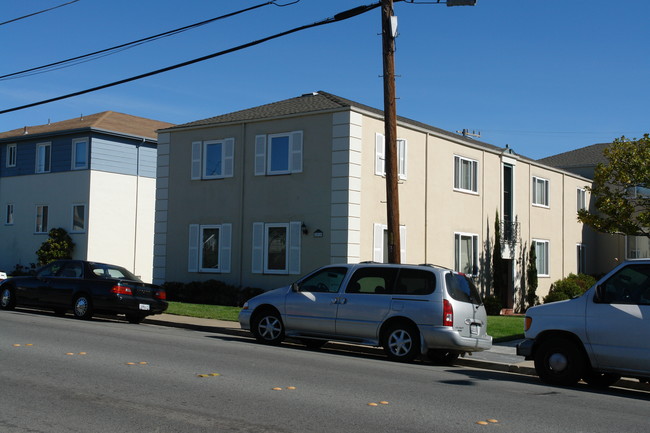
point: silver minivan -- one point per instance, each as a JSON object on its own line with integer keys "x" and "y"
{"x": 407, "y": 309}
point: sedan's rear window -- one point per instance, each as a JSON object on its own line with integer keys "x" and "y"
{"x": 461, "y": 288}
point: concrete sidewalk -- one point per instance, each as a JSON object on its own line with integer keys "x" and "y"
{"x": 501, "y": 357}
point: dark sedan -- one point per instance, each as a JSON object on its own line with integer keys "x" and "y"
{"x": 85, "y": 288}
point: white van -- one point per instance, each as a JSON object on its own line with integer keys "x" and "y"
{"x": 599, "y": 336}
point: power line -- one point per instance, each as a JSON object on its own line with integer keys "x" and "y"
{"x": 338, "y": 17}
{"x": 108, "y": 51}
{"x": 39, "y": 12}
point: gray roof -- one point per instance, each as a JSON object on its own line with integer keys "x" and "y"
{"x": 313, "y": 103}
{"x": 589, "y": 156}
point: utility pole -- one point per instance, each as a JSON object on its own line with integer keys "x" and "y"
{"x": 389, "y": 31}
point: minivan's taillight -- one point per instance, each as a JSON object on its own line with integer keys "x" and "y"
{"x": 447, "y": 314}
{"x": 121, "y": 290}
{"x": 160, "y": 294}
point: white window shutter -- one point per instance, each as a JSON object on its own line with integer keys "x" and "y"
{"x": 295, "y": 232}
{"x": 258, "y": 248}
{"x": 402, "y": 152}
{"x": 260, "y": 155}
{"x": 296, "y": 152}
{"x": 378, "y": 243}
{"x": 225, "y": 248}
{"x": 402, "y": 241}
{"x": 228, "y": 157}
{"x": 380, "y": 154}
{"x": 193, "y": 250}
{"x": 196, "y": 160}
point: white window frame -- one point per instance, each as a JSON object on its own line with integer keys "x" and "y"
{"x": 464, "y": 167}
{"x": 73, "y": 163}
{"x": 545, "y": 199}
{"x": 42, "y": 214}
{"x": 195, "y": 250}
{"x": 12, "y": 155}
{"x": 581, "y": 259}
{"x": 380, "y": 242}
{"x": 458, "y": 238}
{"x": 9, "y": 218}
{"x": 43, "y": 160}
{"x": 260, "y": 253}
{"x": 199, "y": 159}
{"x": 581, "y": 199}
{"x": 542, "y": 264}
{"x": 85, "y": 219}
{"x": 380, "y": 156}
{"x": 264, "y": 153}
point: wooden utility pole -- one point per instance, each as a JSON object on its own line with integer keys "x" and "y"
{"x": 388, "y": 27}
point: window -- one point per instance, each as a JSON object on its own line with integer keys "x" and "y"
{"x": 43, "y": 157}
{"x": 380, "y": 243}
{"x": 78, "y": 218}
{"x": 542, "y": 254}
{"x": 630, "y": 285}
{"x": 278, "y": 153}
{"x": 581, "y": 258}
{"x": 466, "y": 252}
{"x": 11, "y": 155}
{"x": 210, "y": 248}
{"x": 41, "y": 219}
{"x": 637, "y": 247}
{"x": 276, "y": 248}
{"x": 213, "y": 159}
{"x": 9, "y": 220}
{"x": 325, "y": 280}
{"x": 79, "y": 154}
{"x": 540, "y": 191}
{"x": 465, "y": 174}
{"x": 380, "y": 156}
{"x": 581, "y": 199}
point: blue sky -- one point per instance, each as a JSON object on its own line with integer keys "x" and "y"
{"x": 542, "y": 76}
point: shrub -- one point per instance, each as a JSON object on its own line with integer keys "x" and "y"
{"x": 59, "y": 245}
{"x": 492, "y": 305}
{"x": 570, "y": 287}
{"x": 211, "y": 292}
{"x": 20, "y": 270}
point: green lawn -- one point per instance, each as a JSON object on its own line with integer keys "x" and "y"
{"x": 501, "y": 328}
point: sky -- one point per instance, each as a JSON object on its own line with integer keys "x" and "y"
{"x": 543, "y": 77}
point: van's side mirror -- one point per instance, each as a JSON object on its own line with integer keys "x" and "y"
{"x": 295, "y": 287}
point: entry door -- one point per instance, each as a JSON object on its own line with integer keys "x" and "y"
{"x": 618, "y": 323}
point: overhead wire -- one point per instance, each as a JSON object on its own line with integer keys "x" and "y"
{"x": 39, "y": 12}
{"x": 341, "y": 16}
{"x": 115, "y": 49}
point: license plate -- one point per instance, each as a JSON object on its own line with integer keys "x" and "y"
{"x": 475, "y": 329}
{"x": 145, "y": 307}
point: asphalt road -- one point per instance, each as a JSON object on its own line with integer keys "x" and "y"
{"x": 65, "y": 375}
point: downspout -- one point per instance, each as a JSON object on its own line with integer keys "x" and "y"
{"x": 241, "y": 205}
{"x": 137, "y": 199}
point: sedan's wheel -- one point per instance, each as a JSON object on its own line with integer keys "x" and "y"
{"x": 7, "y": 299}
{"x": 82, "y": 307}
{"x": 401, "y": 342}
{"x": 268, "y": 328}
{"x": 560, "y": 362}
{"x": 600, "y": 380}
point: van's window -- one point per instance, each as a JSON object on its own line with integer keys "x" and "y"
{"x": 630, "y": 285}
{"x": 372, "y": 280}
{"x": 415, "y": 282}
{"x": 324, "y": 280}
{"x": 462, "y": 289}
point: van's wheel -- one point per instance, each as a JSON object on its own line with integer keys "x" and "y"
{"x": 401, "y": 342}
{"x": 7, "y": 299}
{"x": 267, "y": 327}
{"x": 600, "y": 380}
{"x": 560, "y": 362}
{"x": 82, "y": 307}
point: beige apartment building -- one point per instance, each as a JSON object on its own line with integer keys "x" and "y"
{"x": 258, "y": 197}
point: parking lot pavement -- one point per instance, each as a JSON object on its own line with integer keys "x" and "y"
{"x": 501, "y": 357}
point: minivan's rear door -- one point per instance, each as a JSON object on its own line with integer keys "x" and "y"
{"x": 470, "y": 318}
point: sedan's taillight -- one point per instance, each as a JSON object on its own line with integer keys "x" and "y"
{"x": 447, "y": 314}
{"x": 121, "y": 290}
{"x": 160, "y": 294}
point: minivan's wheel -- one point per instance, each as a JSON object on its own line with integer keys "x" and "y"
{"x": 442, "y": 356}
{"x": 82, "y": 307}
{"x": 559, "y": 361}
{"x": 401, "y": 342}
{"x": 267, "y": 327}
{"x": 600, "y": 380}
{"x": 7, "y": 299}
